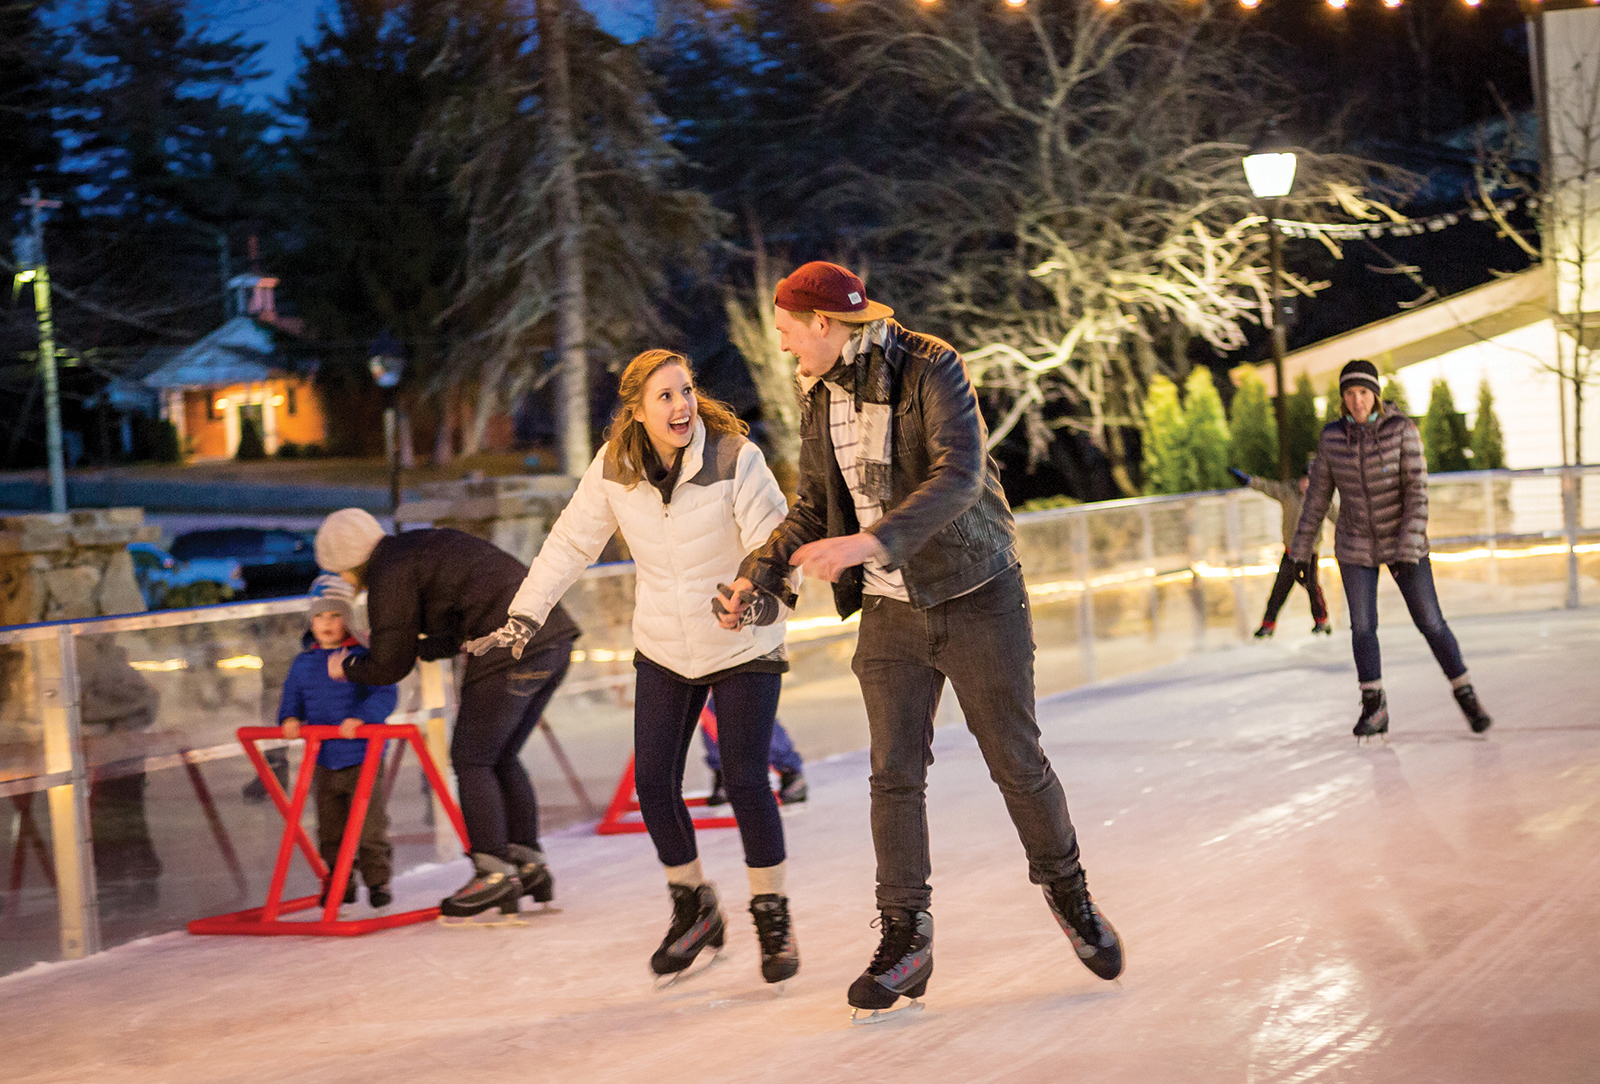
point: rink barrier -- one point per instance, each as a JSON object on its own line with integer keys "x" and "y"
{"x": 1181, "y": 544}
{"x": 267, "y": 920}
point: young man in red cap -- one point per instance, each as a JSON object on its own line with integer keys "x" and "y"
{"x": 900, "y": 507}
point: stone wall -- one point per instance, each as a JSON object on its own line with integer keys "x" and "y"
{"x": 60, "y": 567}
{"x": 515, "y": 513}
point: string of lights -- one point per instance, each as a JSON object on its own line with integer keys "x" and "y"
{"x": 1402, "y": 227}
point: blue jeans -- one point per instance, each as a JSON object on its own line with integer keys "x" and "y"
{"x": 982, "y": 642}
{"x": 666, "y": 709}
{"x": 497, "y": 713}
{"x": 1416, "y": 587}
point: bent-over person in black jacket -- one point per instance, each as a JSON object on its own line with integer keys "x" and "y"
{"x": 1373, "y": 457}
{"x": 429, "y": 591}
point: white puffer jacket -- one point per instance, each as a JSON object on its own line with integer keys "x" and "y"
{"x": 725, "y": 504}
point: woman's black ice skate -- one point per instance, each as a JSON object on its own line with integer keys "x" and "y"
{"x": 1374, "y": 715}
{"x": 696, "y": 922}
{"x": 900, "y": 968}
{"x": 1092, "y": 937}
{"x": 780, "y": 956}
{"x": 494, "y": 884}
{"x": 534, "y": 872}
{"x": 1477, "y": 718}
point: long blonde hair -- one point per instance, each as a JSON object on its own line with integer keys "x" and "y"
{"x": 626, "y": 434}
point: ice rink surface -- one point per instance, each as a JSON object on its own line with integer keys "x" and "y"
{"x": 1295, "y": 908}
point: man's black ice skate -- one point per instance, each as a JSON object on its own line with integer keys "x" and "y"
{"x": 1374, "y": 715}
{"x": 696, "y": 923}
{"x": 534, "y": 872}
{"x": 716, "y": 795}
{"x": 379, "y": 895}
{"x": 1323, "y": 627}
{"x": 1477, "y": 718}
{"x": 791, "y": 788}
{"x": 494, "y": 884}
{"x": 900, "y": 968}
{"x": 1092, "y": 937}
{"x": 780, "y": 956}
{"x": 1266, "y": 630}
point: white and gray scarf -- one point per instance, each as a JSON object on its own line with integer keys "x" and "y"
{"x": 863, "y": 373}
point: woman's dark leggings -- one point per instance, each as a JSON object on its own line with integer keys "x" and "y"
{"x": 1416, "y": 586}
{"x": 665, "y": 710}
{"x": 498, "y": 712}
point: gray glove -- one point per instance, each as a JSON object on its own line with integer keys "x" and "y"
{"x": 760, "y": 608}
{"x": 515, "y": 634}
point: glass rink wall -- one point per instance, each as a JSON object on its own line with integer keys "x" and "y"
{"x": 130, "y": 808}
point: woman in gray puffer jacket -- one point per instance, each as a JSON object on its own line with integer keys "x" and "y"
{"x": 1373, "y": 457}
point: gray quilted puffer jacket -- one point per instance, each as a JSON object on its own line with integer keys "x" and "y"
{"x": 1382, "y": 478}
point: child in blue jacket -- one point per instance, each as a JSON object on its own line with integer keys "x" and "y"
{"x": 312, "y": 698}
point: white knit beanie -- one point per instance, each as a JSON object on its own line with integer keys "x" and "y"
{"x": 346, "y": 539}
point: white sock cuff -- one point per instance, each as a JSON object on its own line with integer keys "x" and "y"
{"x": 1463, "y": 680}
{"x": 767, "y": 880}
{"x": 1371, "y": 686}
{"x": 688, "y": 874}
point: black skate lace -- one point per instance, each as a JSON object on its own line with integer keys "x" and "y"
{"x": 898, "y": 933}
{"x": 1078, "y": 908}
{"x": 685, "y": 909}
{"x": 772, "y": 929}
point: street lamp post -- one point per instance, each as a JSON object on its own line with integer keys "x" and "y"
{"x": 1269, "y": 168}
{"x": 386, "y": 364}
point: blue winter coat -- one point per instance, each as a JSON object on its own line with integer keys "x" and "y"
{"x": 314, "y": 698}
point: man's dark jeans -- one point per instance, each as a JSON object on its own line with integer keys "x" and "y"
{"x": 983, "y": 642}
{"x": 1416, "y": 587}
{"x": 1288, "y": 575}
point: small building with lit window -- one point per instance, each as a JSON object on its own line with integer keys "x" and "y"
{"x": 238, "y": 375}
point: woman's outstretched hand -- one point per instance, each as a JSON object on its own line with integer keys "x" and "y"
{"x": 515, "y": 634}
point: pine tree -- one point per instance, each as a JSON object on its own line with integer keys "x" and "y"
{"x": 1394, "y": 393}
{"x": 1333, "y": 409}
{"x": 1443, "y": 433}
{"x": 1253, "y": 432}
{"x": 1168, "y": 459}
{"x": 1303, "y": 427}
{"x": 1488, "y": 449}
{"x": 1206, "y": 429}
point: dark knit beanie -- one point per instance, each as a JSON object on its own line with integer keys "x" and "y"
{"x": 1360, "y": 374}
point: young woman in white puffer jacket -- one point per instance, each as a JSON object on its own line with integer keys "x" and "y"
{"x": 691, "y": 497}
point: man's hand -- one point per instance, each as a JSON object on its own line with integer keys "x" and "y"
{"x": 336, "y": 664}
{"x": 826, "y": 558}
{"x": 347, "y": 729}
{"x": 515, "y": 634}
{"x": 291, "y": 728}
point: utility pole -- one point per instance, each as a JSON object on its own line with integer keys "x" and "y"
{"x": 572, "y": 363}
{"x": 31, "y": 268}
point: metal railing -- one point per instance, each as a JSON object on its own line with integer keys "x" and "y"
{"x": 126, "y": 724}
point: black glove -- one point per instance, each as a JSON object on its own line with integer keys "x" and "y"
{"x": 760, "y": 607}
{"x": 1244, "y": 479}
{"x": 515, "y": 634}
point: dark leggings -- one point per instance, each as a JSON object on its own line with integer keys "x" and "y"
{"x": 665, "y": 711}
{"x": 1416, "y": 587}
{"x": 1288, "y": 575}
{"x": 497, "y": 713}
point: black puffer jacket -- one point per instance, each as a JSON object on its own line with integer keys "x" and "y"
{"x": 1382, "y": 479}
{"x": 946, "y": 526}
{"x": 448, "y": 586}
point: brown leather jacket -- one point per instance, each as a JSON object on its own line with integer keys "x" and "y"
{"x": 1382, "y": 478}
{"x": 946, "y": 526}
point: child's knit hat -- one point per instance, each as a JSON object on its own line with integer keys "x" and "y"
{"x": 330, "y": 594}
